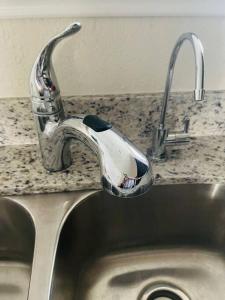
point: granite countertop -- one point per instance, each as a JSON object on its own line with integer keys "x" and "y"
{"x": 201, "y": 161}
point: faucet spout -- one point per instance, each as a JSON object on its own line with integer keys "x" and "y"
{"x": 125, "y": 171}
{"x": 199, "y": 70}
{"x": 162, "y": 136}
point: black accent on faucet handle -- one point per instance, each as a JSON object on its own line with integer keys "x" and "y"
{"x": 95, "y": 123}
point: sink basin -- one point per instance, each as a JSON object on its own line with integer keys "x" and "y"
{"x": 168, "y": 244}
{"x": 16, "y": 250}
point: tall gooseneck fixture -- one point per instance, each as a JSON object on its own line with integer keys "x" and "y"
{"x": 199, "y": 70}
{"x": 125, "y": 171}
{"x": 162, "y": 136}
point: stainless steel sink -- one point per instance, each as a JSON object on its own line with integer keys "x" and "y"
{"x": 168, "y": 244}
{"x": 16, "y": 250}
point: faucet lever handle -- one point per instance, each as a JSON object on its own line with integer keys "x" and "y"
{"x": 44, "y": 86}
{"x": 179, "y": 138}
{"x": 186, "y": 122}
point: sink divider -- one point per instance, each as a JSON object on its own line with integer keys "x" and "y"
{"x": 49, "y": 213}
{"x": 43, "y": 261}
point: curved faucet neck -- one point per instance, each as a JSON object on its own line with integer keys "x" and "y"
{"x": 199, "y": 70}
{"x": 124, "y": 170}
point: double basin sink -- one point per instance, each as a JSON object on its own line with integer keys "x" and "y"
{"x": 167, "y": 244}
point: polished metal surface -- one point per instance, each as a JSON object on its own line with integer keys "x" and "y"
{"x": 16, "y": 250}
{"x": 170, "y": 239}
{"x": 162, "y": 136}
{"x": 125, "y": 171}
{"x": 169, "y": 242}
{"x": 44, "y": 86}
{"x": 163, "y": 292}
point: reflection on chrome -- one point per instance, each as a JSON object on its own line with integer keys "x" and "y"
{"x": 215, "y": 190}
{"x": 117, "y": 155}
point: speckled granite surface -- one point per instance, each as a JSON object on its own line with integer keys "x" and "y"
{"x": 202, "y": 161}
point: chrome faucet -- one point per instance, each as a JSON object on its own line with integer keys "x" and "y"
{"x": 125, "y": 171}
{"x": 161, "y": 135}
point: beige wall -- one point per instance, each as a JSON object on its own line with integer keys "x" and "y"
{"x": 110, "y": 55}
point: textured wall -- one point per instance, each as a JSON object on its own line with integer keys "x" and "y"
{"x": 110, "y": 56}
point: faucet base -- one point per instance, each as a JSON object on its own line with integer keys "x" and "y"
{"x": 156, "y": 157}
